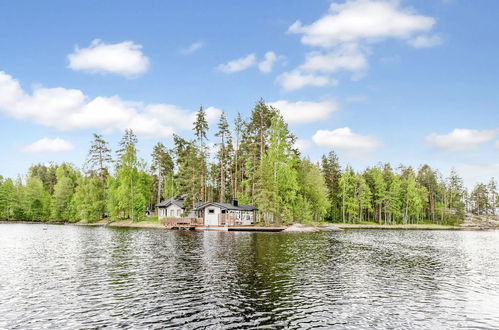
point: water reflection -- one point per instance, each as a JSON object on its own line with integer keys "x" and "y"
{"x": 79, "y": 277}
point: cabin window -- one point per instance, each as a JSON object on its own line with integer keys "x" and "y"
{"x": 211, "y": 211}
{"x": 172, "y": 213}
{"x": 224, "y": 211}
{"x": 179, "y": 212}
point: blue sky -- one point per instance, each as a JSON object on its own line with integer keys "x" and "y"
{"x": 407, "y": 82}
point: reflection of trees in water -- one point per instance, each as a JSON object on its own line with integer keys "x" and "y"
{"x": 97, "y": 277}
{"x": 274, "y": 272}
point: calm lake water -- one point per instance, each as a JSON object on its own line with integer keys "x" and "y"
{"x": 82, "y": 277}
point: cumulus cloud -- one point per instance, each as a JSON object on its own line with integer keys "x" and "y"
{"x": 268, "y": 62}
{"x": 49, "y": 145}
{"x": 70, "y": 109}
{"x": 124, "y": 58}
{"x": 303, "y": 112}
{"x": 297, "y": 79}
{"x": 345, "y": 139}
{"x": 192, "y": 48}
{"x": 362, "y": 20}
{"x": 239, "y": 64}
{"x": 347, "y": 31}
{"x": 424, "y": 41}
{"x": 461, "y": 139}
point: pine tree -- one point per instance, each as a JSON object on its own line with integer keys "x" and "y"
{"x": 99, "y": 157}
{"x": 201, "y": 131}
{"x": 377, "y": 185}
{"x": 427, "y": 178}
{"x": 363, "y": 196}
{"x": 331, "y": 170}
{"x": 162, "y": 165}
{"x": 129, "y": 139}
{"x": 238, "y": 126}
{"x": 347, "y": 193}
{"x": 493, "y": 197}
{"x": 223, "y": 159}
{"x": 277, "y": 180}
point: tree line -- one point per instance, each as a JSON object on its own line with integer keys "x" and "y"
{"x": 255, "y": 161}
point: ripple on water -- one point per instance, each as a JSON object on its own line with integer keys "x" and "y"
{"x": 79, "y": 277}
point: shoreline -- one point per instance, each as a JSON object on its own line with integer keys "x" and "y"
{"x": 293, "y": 228}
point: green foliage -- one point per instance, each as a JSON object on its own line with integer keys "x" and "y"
{"x": 277, "y": 177}
{"x": 312, "y": 191}
{"x": 262, "y": 167}
{"x": 331, "y": 170}
{"x": 89, "y": 202}
{"x": 63, "y": 192}
{"x": 99, "y": 157}
{"x": 129, "y": 191}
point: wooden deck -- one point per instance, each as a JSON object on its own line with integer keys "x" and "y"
{"x": 225, "y": 223}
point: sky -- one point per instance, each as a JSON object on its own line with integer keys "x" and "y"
{"x": 405, "y": 82}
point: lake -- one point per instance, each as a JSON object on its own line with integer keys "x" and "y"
{"x": 75, "y": 277}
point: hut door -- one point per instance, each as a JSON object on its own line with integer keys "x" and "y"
{"x": 211, "y": 217}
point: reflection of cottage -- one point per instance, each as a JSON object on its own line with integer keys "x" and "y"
{"x": 210, "y": 213}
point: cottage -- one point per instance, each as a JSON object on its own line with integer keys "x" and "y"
{"x": 211, "y": 213}
{"x": 231, "y": 214}
{"x": 173, "y": 208}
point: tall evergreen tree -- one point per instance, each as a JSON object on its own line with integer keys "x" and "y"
{"x": 224, "y": 135}
{"x": 201, "y": 131}
{"x": 277, "y": 176}
{"x": 129, "y": 139}
{"x": 99, "y": 157}
{"x": 331, "y": 170}
{"x": 162, "y": 165}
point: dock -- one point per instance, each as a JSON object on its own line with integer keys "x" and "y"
{"x": 226, "y": 228}
{"x": 225, "y": 224}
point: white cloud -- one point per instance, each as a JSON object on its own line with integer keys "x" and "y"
{"x": 70, "y": 109}
{"x": 461, "y": 139}
{"x": 269, "y": 61}
{"x": 345, "y": 139}
{"x": 192, "y": 48}
{"x": 303, "y": 112}
{"x": 346, "y": 32}
{"x": 49, "y": 145}
{"x": 124, "y": 58}
{"x": 302, "y": 145}
{"x": 424, "y": 41}
{"x": 347, "y": 57}
{"x": 362, "y": 20}
{"x": 296, "y": 79}
{"x": 237, "y": 65}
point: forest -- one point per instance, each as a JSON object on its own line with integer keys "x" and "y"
{"x": 253, "y": 160}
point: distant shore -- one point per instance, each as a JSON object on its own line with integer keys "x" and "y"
{"x": 293, "y": 228}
